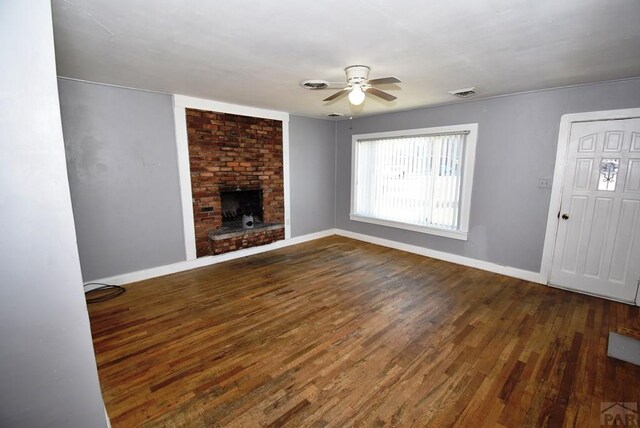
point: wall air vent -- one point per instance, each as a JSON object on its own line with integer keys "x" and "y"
{"x": 314, "y": 84}
{"x": 464, "y": 93}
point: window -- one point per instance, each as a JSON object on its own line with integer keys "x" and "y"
{"x": 418, "y": 179}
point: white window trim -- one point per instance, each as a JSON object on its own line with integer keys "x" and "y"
{"x": 465, "y": 190}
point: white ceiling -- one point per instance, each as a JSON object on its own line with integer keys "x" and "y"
{"x": 255, "y": 52}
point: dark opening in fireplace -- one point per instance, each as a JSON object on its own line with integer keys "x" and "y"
{"x": 237, "y": 203}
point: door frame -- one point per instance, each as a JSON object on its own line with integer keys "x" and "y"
{"x": 566, "y": 122}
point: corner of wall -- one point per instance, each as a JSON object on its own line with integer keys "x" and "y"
{"x": 335, "y": 174}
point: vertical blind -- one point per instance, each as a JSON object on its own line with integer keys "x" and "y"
{"x": 413, "y": 180}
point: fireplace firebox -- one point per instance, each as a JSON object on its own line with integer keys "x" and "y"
{"x": 237, "y": 203}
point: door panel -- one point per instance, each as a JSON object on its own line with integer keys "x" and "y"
{"x": 633, "y": 176}
{"x": 584, "y": 168}
{"x": 600, "y": 229}
{"x": 635, "y": 142}
{"x": 572, "y": 246}
{"x": 613, "y": 141}
{"x": 624, "y": 241}
{"x": 588, "y": 143}
{"x": 597, "y": 246}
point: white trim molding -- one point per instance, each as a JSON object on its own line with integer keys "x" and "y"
{"x": 286, "y": 179}
{"x": 526, "y": 275}
{"x": 106, "y": 415}
{"x": 455, "y": 234}
{"x": 564, "y": 135}
{"x": 184, "y": 176}
{"x": 180, "y": 104}
{"x": 203, "y": 104}
{"x": 128, "y": 278}
{"x": 466, "y": 184}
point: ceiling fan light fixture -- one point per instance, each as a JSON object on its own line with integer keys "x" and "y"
{"x": 356, "y": 95}
{"x": 357, "y": 84}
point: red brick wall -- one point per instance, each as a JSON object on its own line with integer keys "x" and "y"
{"x": 228, "y": 151}
{"x": 248, "y": 239}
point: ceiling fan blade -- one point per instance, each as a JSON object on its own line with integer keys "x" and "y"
{"x": 336, "y": 85}
{"x": 383, "y": 80}
{"x": 381, "y": 94}
{"x": 336, "y": 95}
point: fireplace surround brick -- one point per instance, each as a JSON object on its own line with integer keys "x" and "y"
{"x": 230, "y": 152}
{"x": 246, "y": 239}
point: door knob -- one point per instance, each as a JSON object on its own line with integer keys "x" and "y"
{"x": 565, "y": 216}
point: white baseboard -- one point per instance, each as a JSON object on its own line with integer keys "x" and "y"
{"x": 128, "y": 278}
{"x": 448, "y": 257}
{"x": 106, "y": 415}
{"x": 599, "y": 296}
{"x": 141, "y": 275}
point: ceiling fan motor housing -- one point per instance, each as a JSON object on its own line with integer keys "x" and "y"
{"x": 357, "y": 84}
{"x": 357, "y": 74}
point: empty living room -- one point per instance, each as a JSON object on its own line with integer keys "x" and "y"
{"x": 319, "y": 213}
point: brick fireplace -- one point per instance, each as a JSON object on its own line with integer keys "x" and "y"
{"x": 236, "y": 165}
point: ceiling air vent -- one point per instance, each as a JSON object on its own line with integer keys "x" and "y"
{"x": 464, "y": 93}
{"x": 314, "y": 84}
{"x": 335, "y": 115}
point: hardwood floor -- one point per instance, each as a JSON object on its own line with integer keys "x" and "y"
{"x": 337, "y": 332}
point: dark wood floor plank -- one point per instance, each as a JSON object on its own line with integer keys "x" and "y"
{"x": 336, "y": 332}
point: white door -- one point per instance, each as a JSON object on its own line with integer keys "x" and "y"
{"x": 597, "y": 248}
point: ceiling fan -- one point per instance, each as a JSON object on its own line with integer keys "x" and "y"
{"x": 357, "y": 85}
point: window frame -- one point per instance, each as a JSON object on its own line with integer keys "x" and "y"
{"x": 466, "y": 182}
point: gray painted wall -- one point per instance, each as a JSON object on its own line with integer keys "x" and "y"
{"x": 125, "y": 191}
{"x": 123, "y": 173}
{"x": 48, "y": 373}
{"x": 312, "y": 153}
{"x": 517, "y": 140}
